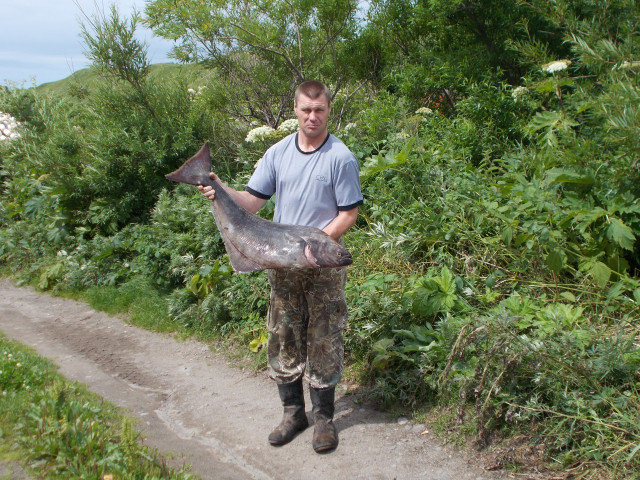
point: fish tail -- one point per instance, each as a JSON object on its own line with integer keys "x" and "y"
{"x": 194, "y": 171}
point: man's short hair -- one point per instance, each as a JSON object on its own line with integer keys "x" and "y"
{"x": 312, "y": 89}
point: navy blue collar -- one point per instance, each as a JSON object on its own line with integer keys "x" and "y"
{"x": 312, "y": 151}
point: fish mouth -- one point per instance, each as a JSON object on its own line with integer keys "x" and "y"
{"x": 346, "y": 259}
{"x": 342, "y": 259}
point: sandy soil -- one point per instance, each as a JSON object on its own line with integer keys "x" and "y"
{"x": 199, "y": 410}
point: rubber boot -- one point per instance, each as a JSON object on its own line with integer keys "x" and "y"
{"x": 294, "y": 419}
{"x": 325, "y": 435}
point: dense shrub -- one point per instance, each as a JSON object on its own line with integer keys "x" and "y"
{"x": 496, "y": 253}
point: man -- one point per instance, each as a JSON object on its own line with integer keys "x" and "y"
{"x": 316, "y": 181}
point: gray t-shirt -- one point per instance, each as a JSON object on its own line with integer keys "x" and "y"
{"x": 310, "y": 187}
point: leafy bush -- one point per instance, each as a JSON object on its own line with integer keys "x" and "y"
{"x": 496, "y": 254}
{"x": 526, "y": 366}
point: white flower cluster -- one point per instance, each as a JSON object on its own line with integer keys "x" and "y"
{"x": 519, "y": 92}
{"x": 259, "y": 133}
{"x": 194, "y": 92}
{"x": 8, "y": 127}
{"x": 556, "y": 66}
{"x": 289, "y": 126}
{"x": 424, "y": 111}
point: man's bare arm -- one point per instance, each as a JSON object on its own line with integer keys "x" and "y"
{"x": 245, "y": 199}
{"x": 343, "y": 222}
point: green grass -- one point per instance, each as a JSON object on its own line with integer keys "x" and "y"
{"x": 143, "y": 304}
{"x": 57, "y": 429}
{"x": 89, "y": 79}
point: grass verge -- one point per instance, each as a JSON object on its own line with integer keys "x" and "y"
{"x": 57, "y": 429}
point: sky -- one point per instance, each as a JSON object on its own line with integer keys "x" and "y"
{"x": 40, "y": 39}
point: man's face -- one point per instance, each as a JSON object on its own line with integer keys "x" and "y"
{"x": 312, "y": 115}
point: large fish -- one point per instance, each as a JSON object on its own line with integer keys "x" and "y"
{"x": 254, "y": 243}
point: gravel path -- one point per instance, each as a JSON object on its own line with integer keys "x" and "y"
{"x": 201, "y": 411}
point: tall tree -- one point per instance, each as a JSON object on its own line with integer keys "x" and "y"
{"x": 261, "y": 49}
{"x": 447, "y": 41}
{"x": 113, "y": 49}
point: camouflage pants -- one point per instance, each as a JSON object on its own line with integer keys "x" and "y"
{"x": 307, "y": 314}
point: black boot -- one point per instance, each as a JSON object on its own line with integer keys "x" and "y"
{"x": 294, "y": 419}
{"x": 325, "y": 435}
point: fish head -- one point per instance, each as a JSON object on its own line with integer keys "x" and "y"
{"x": 325, "y": 252}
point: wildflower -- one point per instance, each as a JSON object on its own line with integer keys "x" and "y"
{"x": 61, "y": 253}
{"x": 259, "y": 133}
{"x": 519, "y": 92}
{"x": 350, "y": 126}
{"x": 424, "y": 111}
{"x": 191, "y": 91}
{"x": 8, "y": 126}
{"x": 289, "y": 126}
{"x": 556, "y": 66}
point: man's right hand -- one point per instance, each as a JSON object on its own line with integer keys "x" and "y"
{"x": 207, "y": 190}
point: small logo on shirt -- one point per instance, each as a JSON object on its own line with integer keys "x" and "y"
{"x": 322, "y": 178}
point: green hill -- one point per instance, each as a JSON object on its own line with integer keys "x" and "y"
{"x": 89, "y": 78}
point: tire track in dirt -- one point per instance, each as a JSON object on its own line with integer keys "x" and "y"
{"x": 205, "y": 413}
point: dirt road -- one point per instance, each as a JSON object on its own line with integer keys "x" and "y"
{"x": 194, "y": 406}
